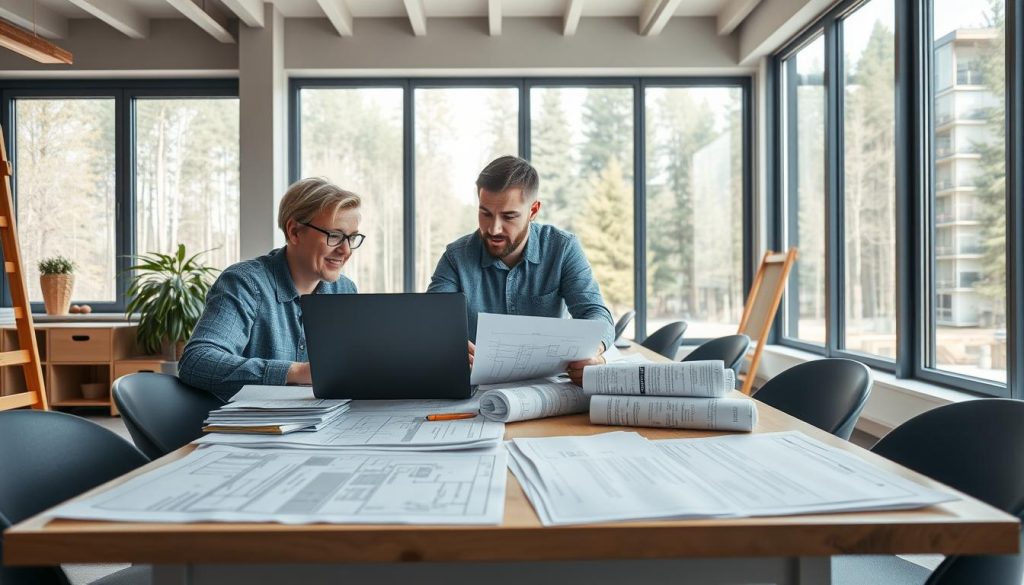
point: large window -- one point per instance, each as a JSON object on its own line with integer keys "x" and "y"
{"x": 904, "y": 147}
{"x": 107, "y": 170}
{"x": 695, "y": 208}
{"x": 804, "y": 184}
{"x": 424, "y": 141}
{"x": 967, "y": 327}
{"x": 65, "y": 177}
{"x": 869, "y": 179}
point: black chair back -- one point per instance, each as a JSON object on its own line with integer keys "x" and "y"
{"x": 623, "y": 322}
{"x": 162, "y": 413}
{"x": 730, "y": 349}
{"x": 47, "y": 458}
{"x": 976, "y": 447}
{"x": 827, "y": 393}
{"x": 666, "y": 340}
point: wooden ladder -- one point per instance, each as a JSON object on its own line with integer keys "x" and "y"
{"x": 28, "y": 356}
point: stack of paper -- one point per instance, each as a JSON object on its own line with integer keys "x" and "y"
{"x": 622, "y": 476}
{"x": 683, "y": 395}
{"x": 275, "y": 417}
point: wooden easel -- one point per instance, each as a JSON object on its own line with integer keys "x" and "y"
{"x": 762, "y": 303}
{"x": 28, "y": 356}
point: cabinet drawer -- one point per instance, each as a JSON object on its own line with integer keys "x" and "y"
{"x": 79, "y": 345}
{"x": 124, "y": 368}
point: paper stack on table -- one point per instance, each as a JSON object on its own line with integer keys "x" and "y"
{"x": 622, "y": 476}
{"x": 682, "y": 395}
{"x": 275, "y": 417}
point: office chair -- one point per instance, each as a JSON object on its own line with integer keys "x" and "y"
{"x": 47, "y": 458}
{"x": 666, "y": 340}
{"x": 975, "y": 447}
{"x": 827, "y": 393}
{"x": 162, "y": 413}
{"x": 730, "y": 349}
{"x": 623, "y": 322}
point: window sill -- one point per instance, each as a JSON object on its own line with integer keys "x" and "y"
{"x": 893, "y": 401}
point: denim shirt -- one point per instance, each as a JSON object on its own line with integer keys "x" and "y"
{"x": 553, "y": 275}
{"x": 251, "y": 329}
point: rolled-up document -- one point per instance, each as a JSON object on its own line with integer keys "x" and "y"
{"x": 531, "y": 399}
{"x": 702, "y": 379}
{"x": 714, "y": 414}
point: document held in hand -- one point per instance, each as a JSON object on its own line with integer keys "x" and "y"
{"x": 713, "y": 414}
{"x": 700, "y": 379}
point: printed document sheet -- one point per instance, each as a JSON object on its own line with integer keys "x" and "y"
{"x": 515, "y": 347}
{"x": 231, "y": 484}
{"x": 378, "y": 431}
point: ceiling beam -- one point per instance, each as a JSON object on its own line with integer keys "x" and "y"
{"x": 338, "y": 13}
{"x": 32, "y": 46}
{"x": 656, "y": 15}
{"x": 211, "y": 21}
{"x": 34, "y": 18}
{"x": 733, "y": 14}
{"x": 494, "y": 17}
{"x": 119, "y": 14}
{"x": 417, "y": 16}
{"x": 248, "y": 11}
{"x": 573, "y": 12}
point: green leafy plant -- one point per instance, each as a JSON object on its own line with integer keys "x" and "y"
{"x": 56, "y": 265}
{"x": 168, "y": 292}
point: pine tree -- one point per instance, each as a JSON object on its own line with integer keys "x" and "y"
{"x": 607, "y": 236}
{"x": 552, "y": 157}
{"x": 608, "y": 129}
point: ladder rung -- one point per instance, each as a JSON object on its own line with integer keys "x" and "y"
{"x": 17, "y": 400}
{"x": 3, "y": 221}
{"x": 9, "y": 267}
{"x": 5, "y": 168}
{"x": 14, "y": 358}
{"x": 19, "y": 313}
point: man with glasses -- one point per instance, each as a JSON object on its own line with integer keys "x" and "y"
{"x": 514, "y": 266}
{"x": 250, "y": 331}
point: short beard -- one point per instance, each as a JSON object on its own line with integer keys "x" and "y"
{"x": 509, "y": 247}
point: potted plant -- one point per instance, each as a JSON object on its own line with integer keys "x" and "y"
{"x": 56, "y": 279}
{"x": 168, "y": 291}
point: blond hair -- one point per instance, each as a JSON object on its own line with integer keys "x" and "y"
{"x": 308, "y": 197}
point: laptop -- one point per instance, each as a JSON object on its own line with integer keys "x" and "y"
{"x": 387, "y": 346}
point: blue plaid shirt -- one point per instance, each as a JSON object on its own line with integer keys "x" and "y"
{"x": 251, "y": 329}
{"x": 553, "y": 275}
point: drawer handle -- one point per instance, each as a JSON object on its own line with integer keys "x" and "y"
{"x": 80, "y": 338}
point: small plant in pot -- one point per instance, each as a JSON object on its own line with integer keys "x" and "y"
{"x": 168, "y": 291}
{"x": 57, "y": 280}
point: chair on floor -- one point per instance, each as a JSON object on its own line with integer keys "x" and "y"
{"x": 827, "y": 393}
{"x": 730, "y": 349}
{"x": 47, "y": 458}
{"x": 162, "y": 413}
{"x": 623, "y": 322}
{"x": 666, "y": 340}
{"x": 975, "y": 447}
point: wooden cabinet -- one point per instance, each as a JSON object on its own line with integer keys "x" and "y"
{"x": 80, "y": 361}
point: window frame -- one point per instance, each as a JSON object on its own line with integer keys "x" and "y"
{"x": 915, "y": 308}
{"x": 524, "y": 85}
{"x": 124, "y": 93}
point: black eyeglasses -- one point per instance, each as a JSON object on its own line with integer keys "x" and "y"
{"x": 334, "y": 239}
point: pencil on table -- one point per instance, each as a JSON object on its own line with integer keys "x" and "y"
{"x": 451, "y": 416}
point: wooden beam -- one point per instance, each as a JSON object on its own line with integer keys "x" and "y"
{"x": 248, "y": 11}
{"x": 417, "y": 16}
{"x": 19, "y": 400}
{"x": 656, "y": 15}
{"x": 211, "y": 21}
{"x": 733, "y": 13}
{"x": 494, "y": 17}
{"x": 29, "y": 15}
{"x": 573, "y": 12}
{"x": 338, "y": 13}
{"x": 36, "y": 48}
{"x": 119, "y": 14}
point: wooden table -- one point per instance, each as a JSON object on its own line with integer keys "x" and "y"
{"x": 791, "y": 549}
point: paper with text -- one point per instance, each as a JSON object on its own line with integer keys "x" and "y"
{"x": 232, "y": 484}
{"x": 701, "y": 379}
{"x": 515, "y": 347}
{"x": 715, "y": 414}
{"x": 531, "y": 399}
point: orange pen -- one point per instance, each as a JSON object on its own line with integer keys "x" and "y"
{"x": 451, "y": 416}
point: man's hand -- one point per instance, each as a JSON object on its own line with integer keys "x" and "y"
{"x": 472, "y": 352}
{"x": 576, "y": 368}
{"x": 298, "y": 373}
